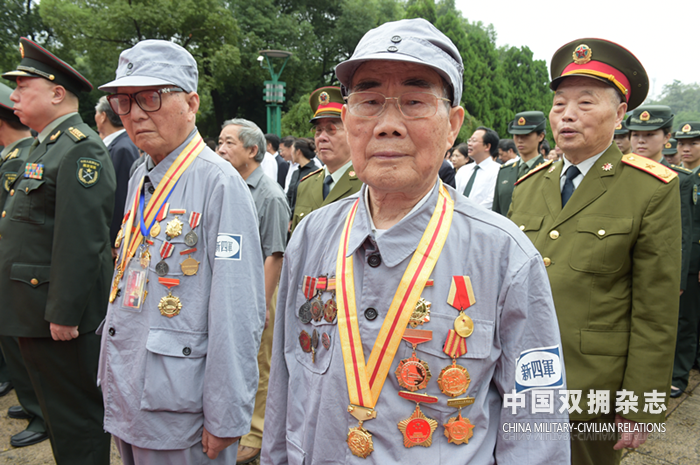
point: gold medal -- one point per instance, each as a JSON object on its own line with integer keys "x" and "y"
{"x": 189, "y": 266}
{"x": 170, "y": 305}
{"x": 115, "y": 284}
{"x": 412, "y": 373}
{"x": 464, "y": 326}
{"x": 155, "y": 229}
{"x": 120, "y": 237}
{"x": 173, "y": 228}
{"x": 458, "y": 430}
{"x": 421, "y": 314}
{"x": 145, "y": 258}
{"x": 359, "y": 439}
{"x": 417, "y": 429}
{"x": 454, "y": 380}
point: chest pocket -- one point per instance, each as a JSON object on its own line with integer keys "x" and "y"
{"x": 601, "y": 244}
{"x": 319, "y": 360}
{"x": 29, "y": 204}
{"x": 528, "y": 224}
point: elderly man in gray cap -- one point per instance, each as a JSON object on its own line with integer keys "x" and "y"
{"x": 409, "y": 251}
{"x": 178, "y": 363}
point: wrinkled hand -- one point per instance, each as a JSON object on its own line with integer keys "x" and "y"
{"x": 629, "y": 440}
{"x": 63, "y": 333}
{"x": 212, "y": 445}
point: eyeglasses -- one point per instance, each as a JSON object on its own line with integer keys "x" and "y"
{"x": 412, "y": 105}
{"x": 148, "y": 100}
{"x": 330, "y": 129}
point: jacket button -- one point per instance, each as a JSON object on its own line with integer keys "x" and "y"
{"x": 26, "y": 189}
{"x": 4, "y": 213}
{"x": 554, "y": 234}
{"x": 374, "y": 260}
{"x": 34, "y": 281}
{"x": 547, "y": 261}
{"x": 396, "y": 39}
{"x": 371, "y": 314}
{"x": 186, "y": 351}
{"x": 601, "y": 232}
{"x": 111, "y": 331}
{"x": 522, "y": 227}
{"x": 12, "y": 192}
{"x": 151, "y": 189}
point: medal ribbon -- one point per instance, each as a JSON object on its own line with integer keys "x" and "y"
{"x": 194, "y": 219}
{"x": 365, "y": 382}
{"x": 309, "y": 287}
{"x": 321, "y": 283}
{"x": 461, "y": 294}
{"x": 169, "y": 282}
{"x": 165, "y": 187}
{"x": 142, "y": 196}
{"x": 179, "y": 211}
{"x": 417, "y": 336}
{"x": 166, "y": 250}
{"x": 163, "y": 212}
{"x": 188, "y": 251}
{"x": 418, "y": 398}
{"x": 455, "y": 345}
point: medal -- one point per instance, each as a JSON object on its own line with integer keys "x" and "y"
{"x": 314, "y": 345}
{"x": 309, "y": 343}
{"x": 119, "y": 238}
{"x": 169, "y": 305}
{"x": 330, "y": 310}
{"x": 155, "y": 229}
{"x": 412, "y": 373}
{"x": 326, "y": 341}
{"x": 454, "y": 379}
{"x": 174, "y": 227}
{"x": 317, "y": 309}
{"x": 461, "y": 297}
{"x": 418, "y": 429}
{"x": 115, "y": 284}
{"x": 189, "y": 266}
{"x": 305, "y": 313}
{"x": 458, "y": 430}
{"x": 309, "y": 287}
{"x": 162, "y": 268}
{"x": 191, "y": 237}
{"x": 421, "y": 314}
{"x": 166, "y": 250}
{"x": 145, "y": 255}
{"x": 359, "y": 439}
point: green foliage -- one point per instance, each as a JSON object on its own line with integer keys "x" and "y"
{"x": 296, "y": 121}
{"x": 20, "y": 19}
{"x": 684, "y": 100}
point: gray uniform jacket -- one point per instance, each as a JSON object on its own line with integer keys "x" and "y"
{"x": 164, "y": 378}
{"x": 306, "y": 418}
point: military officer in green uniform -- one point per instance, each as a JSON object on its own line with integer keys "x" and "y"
{"x": 670, "y": 152}
{"x": 337, "y": 179}
{"x": 622, "y": 138}
{"x": 16, "y": 139}
{"x": 55, "y": 255}
{"x": 688, "y": 137}
{"x": 528, "y": 130}
{"x": 609, "y": 230}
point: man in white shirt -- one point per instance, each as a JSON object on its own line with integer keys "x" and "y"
{"x": 269, "y": 166}
{"x": 477, "y": 180}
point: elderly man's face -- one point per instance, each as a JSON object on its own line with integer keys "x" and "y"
{"x": 33, "y": 101}
{"x": 331, "y": 142}
{"x": 160, "y": 132}
{"x": 584, "y": 115}
{"x": 391, "y": 153}
{"x": 231, "y": 148}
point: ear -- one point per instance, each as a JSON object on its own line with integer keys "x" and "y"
{"x": 540, "y": 137}
{"x": 667, "y": 137}
{"x": 456, "y": 118}
{"x": 621, "y": 110}
{"x": 252, "y": 151}
{"x": 192, "y": 100}
{"x": 58, "y": 94}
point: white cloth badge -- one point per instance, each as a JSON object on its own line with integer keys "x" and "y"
{"x": 228, "y": 246}
{"x": 539, "y": 368}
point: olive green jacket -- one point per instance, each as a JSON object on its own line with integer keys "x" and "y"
{"x": 310, "y": 193}
{"x": 505, "y": 181}
{"x": 55, "y": 256}
{"x": 13, "y": 166}
{"x": 613, "y": 256}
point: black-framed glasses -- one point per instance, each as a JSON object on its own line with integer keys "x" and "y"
{"x": 412, "y": 105}
{"x": 148, "y": 100}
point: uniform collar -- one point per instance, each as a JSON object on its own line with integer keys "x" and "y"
{"x": 53, "y": 125}
{"x": 11, "y": 147}
{"x": 337, "y": 174}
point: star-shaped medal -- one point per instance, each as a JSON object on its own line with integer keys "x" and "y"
{"x": 458, "y": 430}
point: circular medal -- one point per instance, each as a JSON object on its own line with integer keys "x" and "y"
{"x": 155, "y": 229}
{"x": 191, "y": 239}
{"x": 317, "y": 309}
{"x": 162, "y": 268}
{"x": 458, "y": 430}
{"x": 417, "y": 430}
{"x": 360, "y": 442}
{"x": 173, "y": 228}
{"x": 330, "y": 310}
{"x": 189, "y": 267}
{"x": 305, "y": 312}
{"x": 464, "y": 326}
{"x": 413, "y": 374}
{"x": 305, "y": 341}
{"x": 454, "y": 380}
{"x": 314, "y": 339}
{"x": 169, "y": 306}
{"x": 421, "y": 314}
{"x": 326, "y": 341}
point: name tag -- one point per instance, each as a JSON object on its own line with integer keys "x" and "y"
{"x": 228, "y": 246}
{"x": 539, "y": 368}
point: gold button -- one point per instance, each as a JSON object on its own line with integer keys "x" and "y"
{"x": 26, "y": 189}
{"x": 601, "y": 232}
{"x": 522, "y": 227}
{"x": 4, "y": 213}
{"x": 547, "y": 261}
{"x": 34, "y": 281}
{"x": 12, "y": 192}
{"x": 554, "y": 234}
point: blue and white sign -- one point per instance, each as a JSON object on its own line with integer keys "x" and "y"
{"x": 228, "y": 246}
{"x": 539, "y": 368}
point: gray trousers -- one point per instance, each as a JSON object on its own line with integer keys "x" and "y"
{"x": 132, "y": 455}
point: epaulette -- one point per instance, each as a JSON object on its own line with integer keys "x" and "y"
{"x": 682, "y": 169}
{"x": 533, "y": 171}
{"x": 647, "y": 165}
{"x": 310, "y": 174}
{"x": 76, "y": 134}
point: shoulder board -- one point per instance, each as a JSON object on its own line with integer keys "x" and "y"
{"x": 76, "y": 134}
{"x": 533, "y": 171}
{"x": 311, "y": 174}
{"x": 651, "y": 167}
{"x": 681, "y": 169}
{"x": 506, "y": 166}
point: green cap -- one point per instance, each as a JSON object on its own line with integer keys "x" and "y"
{"x": 6, "y": 105}
{"x": 688, "y": 130}
{"x": 620, "y": 129}
{"x": 326, "y": 102}
{"x": 650, "y": 118}
{"x": 603, "y": 60}
{"x": 526, "y": 122}
{"x": 39, "y": 62}
{"x": 670, "y": 148}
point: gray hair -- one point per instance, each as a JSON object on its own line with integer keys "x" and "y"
{"x": 104, "y": 107}
{"x": 250, "y": 135}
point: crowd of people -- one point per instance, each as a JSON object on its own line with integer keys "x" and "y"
{"x": 345, "y": 298}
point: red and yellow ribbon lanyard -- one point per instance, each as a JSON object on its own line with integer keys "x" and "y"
{"x": 365, "y": 382}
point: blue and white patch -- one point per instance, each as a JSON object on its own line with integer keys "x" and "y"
{"x": 228, "y": 246}
{"x": 539, "y": 368}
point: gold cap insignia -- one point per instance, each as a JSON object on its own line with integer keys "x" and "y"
{"x": 55, "y": 135}
{"x": 521, "y": 121}
{"x": 686, "y": 128}
{"x": 644, "y": 116}
{"x": 582, "y": 54}
{"x": 21, "y": 49}
{"x": 323, "y": 98}
{"x": 618, "y": 127}
{"x": 668, "y": 145}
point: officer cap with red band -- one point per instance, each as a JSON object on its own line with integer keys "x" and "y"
{"x": 605, "y": 61}
{"x": 326, "y": 102}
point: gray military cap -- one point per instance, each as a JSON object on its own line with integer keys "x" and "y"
{"x": 155, "y": 63}
{"x": 409, "y": 40}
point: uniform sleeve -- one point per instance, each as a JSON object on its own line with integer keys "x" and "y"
{"x": 687, "y": 227}
{"x": 236, "y": 308}
{"x": 656, "y": 260}
{"x": 496, "y": 206}
{"x": 273, "y": 225}
{"x": 81, "y": 232}
{"x": 528, "y": 325}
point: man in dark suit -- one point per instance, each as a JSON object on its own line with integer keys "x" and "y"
{"x": 273, "y": 145}
{"x": 123, "y": 153}
{"x": 55, "y": 257}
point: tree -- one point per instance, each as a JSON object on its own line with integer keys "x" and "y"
{"x": 684, "y": 100}
{"x": 20, "y": 19}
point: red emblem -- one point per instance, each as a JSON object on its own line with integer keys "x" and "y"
{"x": 521, "y": 121}
{"x": 607, "y": 167}
{"x": 582, "y": 54}
{"x": 686, "y": 128}
{"x": 644, "y": 116}
{"x": 305, "y": 341}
